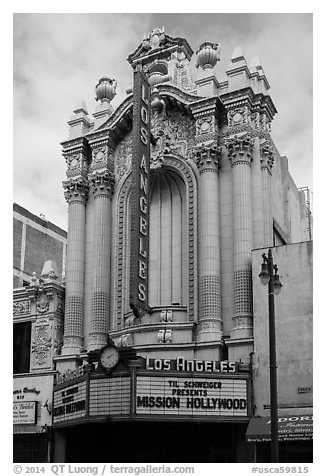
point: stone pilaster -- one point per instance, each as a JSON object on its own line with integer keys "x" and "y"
{"x": 240, "y": 154}
{"x": 267, "y": 160}
{"x": 76, "y": 189}
{"x": 210, "y": 320}
{"x": 101, "y": 185}
{"x": 257, "y": 196}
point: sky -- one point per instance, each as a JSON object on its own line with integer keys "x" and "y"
{"x": 59, "y": 58}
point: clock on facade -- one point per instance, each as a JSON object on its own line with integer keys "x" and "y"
{"x": 109, "y": 357}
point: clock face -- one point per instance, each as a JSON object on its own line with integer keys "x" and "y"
{"x": 109, "y": 357}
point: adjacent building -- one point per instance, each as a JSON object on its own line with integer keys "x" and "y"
{"x": 35, "y": 240}
{"x": 39, "y": 250}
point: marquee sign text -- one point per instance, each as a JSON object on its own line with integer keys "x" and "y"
{"x": 191, "y": 396}
{"x": 69, "y": 403}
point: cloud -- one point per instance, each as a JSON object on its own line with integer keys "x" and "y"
{"x": 59, "y": 58}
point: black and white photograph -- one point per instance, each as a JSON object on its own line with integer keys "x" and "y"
{"x": 162, "y": 241}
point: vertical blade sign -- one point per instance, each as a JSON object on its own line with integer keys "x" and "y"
{"x": 139, "y": 245}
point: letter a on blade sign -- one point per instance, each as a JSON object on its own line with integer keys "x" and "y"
{"x": 139, "y": 247}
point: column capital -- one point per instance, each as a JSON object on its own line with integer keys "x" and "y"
{"x": 207, "y": 157}
{"x": 267, "y": 155}
{"x": 75, "y": 189}
{"x": 240, "y": 148}
{"x": 101, "y": 182}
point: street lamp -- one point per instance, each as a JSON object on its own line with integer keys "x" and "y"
{"x": 269, "y": 275}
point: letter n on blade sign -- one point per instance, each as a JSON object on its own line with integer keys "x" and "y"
{"x": 139, "y": 246}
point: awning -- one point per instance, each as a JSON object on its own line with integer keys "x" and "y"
{"x": 290, "y": 428}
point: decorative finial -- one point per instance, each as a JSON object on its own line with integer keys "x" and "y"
{"x": 34, "y": 280}
{"x": 208, "y": 55}
{"x": 105, "y": 89}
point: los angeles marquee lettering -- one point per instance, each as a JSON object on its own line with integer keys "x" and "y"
{"x": 181, "y": 364}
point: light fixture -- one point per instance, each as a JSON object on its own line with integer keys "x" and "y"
{"x": 264, "y": 274}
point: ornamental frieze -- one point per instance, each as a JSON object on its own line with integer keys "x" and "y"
{"x": 175, "y": 136}
{"x": 267, "y": 154}
{"x": 21, "y": 307}
{"x": 237, "y": 116}
{"x": 42, "y": 302}
{"x": 123, "y": 158}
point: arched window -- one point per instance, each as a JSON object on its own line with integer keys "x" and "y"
{"x": 172, "y": 242}
{"x": 167, "y": 239}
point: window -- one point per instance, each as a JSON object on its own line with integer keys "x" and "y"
{"x": 22, "y": 347}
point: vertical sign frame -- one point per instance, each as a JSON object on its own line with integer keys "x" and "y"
{"x": 139, "y": 240}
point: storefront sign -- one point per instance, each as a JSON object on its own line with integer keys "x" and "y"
{"x": 34, "y": 391}
{"x": 139, "y": 195}
{"x": 24, "y": 413}
{"x": 193, "y": 396}
{"x": 69, "y": 403}
{"x": 290, "y": 428}
{"x": 180, "y": 364}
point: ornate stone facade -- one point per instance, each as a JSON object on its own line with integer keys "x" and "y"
{"x": 196, "y": 126}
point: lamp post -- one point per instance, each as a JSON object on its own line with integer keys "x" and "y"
{"x": 267, "y": 276}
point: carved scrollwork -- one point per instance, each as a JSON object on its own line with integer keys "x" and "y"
{"x": 41, "y": 346}
{"x": 42, "y": 302}
{"x": 267, "y": 154}
{"x": 175, "y": 136}
{"x": 123, "y": 158}
{"x": 21, "y": 308}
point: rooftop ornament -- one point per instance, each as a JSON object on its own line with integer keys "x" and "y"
{"x": 105, "y": 89}
{"x": 208, "y": 55}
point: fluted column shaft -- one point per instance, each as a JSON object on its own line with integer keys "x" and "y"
{"x": 210, "y": 320}
{"x": 101, "y": 186}
{"x": 240, "y": 150}
{"x": 75, "y": 194}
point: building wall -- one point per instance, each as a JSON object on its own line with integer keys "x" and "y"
{"x": 289, "y": 208}
{"x": 35, "y": 241}
{"x": 294, "y": 329}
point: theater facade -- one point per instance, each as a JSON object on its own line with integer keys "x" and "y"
{"x": 168, "y": 194}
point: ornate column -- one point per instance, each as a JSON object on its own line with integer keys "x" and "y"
{"x": 76, "y": 189}
{"x": 240, "y": 154}
{"x": 101, "y": 185}
{"x": 210, "y": 320}
{"x": 267, "y": 160}
{"x": 207, "y": 155}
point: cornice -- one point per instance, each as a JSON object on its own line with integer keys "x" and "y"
{"x": 256, "y": 100}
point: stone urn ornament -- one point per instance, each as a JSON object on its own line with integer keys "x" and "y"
{"x": 208, "y": 55}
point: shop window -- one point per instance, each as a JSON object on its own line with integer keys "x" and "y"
{"x": 21, "y": 347}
